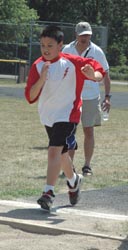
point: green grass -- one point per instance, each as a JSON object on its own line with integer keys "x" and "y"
{"x": 23, "y": 154}
{"x": 116, "y": 88}
{"x": 12, "y": 83}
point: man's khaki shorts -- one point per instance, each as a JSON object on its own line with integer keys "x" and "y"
{"x": 91, "y": 113}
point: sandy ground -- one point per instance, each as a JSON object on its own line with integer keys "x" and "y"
{"x": 13, "y": 239}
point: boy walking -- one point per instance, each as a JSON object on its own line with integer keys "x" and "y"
{"x": 56, "y": 81}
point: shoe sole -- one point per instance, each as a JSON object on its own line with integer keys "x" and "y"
{"x": 79, "y": 191}
{"x": 87, "y": 174}
{"x": 86, "y": 171}
{"x": 78, "y": 198}
{"x": 45, "y": 205}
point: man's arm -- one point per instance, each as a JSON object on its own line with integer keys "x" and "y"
{"x": 107, "y": 85}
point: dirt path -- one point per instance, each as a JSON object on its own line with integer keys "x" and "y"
{"x": 13, "y": 239}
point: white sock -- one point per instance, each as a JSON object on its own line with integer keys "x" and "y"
{"x": 72, "y": 180}
{"x": 48, "y": 187}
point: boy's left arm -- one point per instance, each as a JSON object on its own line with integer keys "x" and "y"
{"x": 92, "y": 74}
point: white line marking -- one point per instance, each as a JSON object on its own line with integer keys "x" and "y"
{"x": 70, "y": 211}
{"x": 18, "y": 204}
{"x": 93, "y": 214}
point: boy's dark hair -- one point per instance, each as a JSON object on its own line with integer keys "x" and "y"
{"x": 53, "y": 32}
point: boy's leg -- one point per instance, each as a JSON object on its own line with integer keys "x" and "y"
{"x": 54, "y": 164}
{"x": 73, "y": 179}
{"x": 61, "y": 138}
{"x": 67, "y": 165}
{"x": 53, "y": 170}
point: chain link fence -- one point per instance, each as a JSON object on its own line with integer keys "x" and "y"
{"x": 20, "y": 42}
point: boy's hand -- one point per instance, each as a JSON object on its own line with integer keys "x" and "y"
{"x": 36, "y": 88}
{"x": 44, "y": 71}
{"x": 89, "y": 72}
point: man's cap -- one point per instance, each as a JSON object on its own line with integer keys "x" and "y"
{"x": 83, "y": 28}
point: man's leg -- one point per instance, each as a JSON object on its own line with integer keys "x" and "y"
{"x": 88, "y": 144}
{"x": 90, "y": 118}
{"x": 88, "y": 149}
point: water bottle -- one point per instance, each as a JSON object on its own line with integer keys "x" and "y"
{"x": 105, "y": 113}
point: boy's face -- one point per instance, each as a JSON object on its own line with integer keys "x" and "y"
{"x": 50, "y": 48}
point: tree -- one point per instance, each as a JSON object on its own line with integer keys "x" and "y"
{"x": 14, "y": 15}
{"x": 63, "y": 11}
{"x": 16, "y": 11}
{"x": 118, "y": 30}
{"x": 17, "y": 14}
{"x": 111, "y": 13}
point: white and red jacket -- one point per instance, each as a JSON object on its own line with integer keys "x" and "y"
{"x": 60, "y": 98}
{"x": 90, "y": 89}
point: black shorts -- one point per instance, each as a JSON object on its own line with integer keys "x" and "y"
{"x": 62, "y": 134}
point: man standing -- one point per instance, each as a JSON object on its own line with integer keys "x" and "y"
{"x": 91, "y": 108}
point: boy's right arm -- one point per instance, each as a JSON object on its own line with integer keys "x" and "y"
{"x": 36, "y": 88}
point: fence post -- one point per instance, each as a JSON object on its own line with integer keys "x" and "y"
{"x": 23, "y": 71}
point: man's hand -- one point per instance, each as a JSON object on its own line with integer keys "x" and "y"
{"x": 106, "y": 104}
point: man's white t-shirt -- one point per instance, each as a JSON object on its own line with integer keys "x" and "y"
{"x": 91, "y": 90}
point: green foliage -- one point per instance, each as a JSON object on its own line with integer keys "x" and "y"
{"x": 119, "y": 72}
{"x": 116, "y": 55}
{"x": 16, "y": 11}
{"x": 65, "y": 11}
{"x": 111, "y": 13}
{"x": 14, "y": 16}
